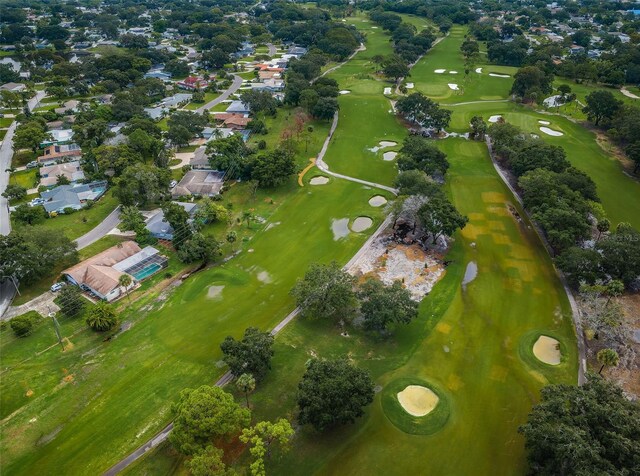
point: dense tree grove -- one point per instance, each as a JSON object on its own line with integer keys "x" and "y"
{"x": 589, "y": 429}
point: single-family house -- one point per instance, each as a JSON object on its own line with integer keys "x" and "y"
{"x": 13, "y": 87}
{"x": 199, "y": 182}
{"x": 70, "y": 170}
{"x": 200, "y": 160}
{"x": 58, "y": 136}
{"x": 160, "y": 228}
{"x": 69, "y": 106}
{"x": 59, "y": 153}
{"x": 193, "y": 83}
{"x": 100, "y": 274}
{"x": 238, "y": 107}
{"x": 72, "y": 196}
{"x": 176, "y": 100}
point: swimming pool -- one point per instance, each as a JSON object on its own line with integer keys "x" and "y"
{"x": 147, "y": 271}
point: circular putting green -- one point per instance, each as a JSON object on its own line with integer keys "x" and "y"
{"x": 415, "y": 406}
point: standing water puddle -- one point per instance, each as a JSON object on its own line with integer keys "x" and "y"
{"x": 469, "y": 274}
{"x": 340, "y": 228}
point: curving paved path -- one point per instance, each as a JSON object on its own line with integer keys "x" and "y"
{"x": 100, "y": 230}
{"x": 322, "y": 165}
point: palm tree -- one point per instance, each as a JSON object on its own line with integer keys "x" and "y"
{"x": 608, "y": 358}
{"x": 125, "y": 281}
{"x": 232, "y": 236}
{"x": 246, "y": 383}
{"x": 102, "y": 317}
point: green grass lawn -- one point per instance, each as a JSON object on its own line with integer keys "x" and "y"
{"x": 472, "y": 86}
{"x": 465, "y": 343}
{"x": 5, "y": 121}
{"x": 207, "y": 97}
{"x": 24, "y": 178}
{"x": 80, "y": 222}
{"x": 616, "y": 189}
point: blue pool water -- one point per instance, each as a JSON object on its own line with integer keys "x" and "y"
{"x": 147, "y": 271}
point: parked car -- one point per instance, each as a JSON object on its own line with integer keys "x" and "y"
{"x": 33, "y": 164}
{"x": 57, "y": 287}
{"x": 173, "y": 183}
{"x": 37, "y": 201}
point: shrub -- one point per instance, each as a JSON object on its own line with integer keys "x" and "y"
{"x": 21, "y": 325}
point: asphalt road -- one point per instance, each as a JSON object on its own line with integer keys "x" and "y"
{"x": 104, "y": 227}
{"x": 237, "y": 82}
{"x": 7, "y": 290}
{"x": 272, "y": 49}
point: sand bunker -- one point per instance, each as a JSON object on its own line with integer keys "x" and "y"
{"x": 361, "y": 223}
{"x": 551, "y": 132}
{"x": 345, "y": 91}
{"x": 387, "y": 143}
{"x": 495, "y": 118}
{"x": 496, "y": 75}
{"x": 264, "y": 277}
{"x": 319, "y": 180}
{"x": 544, "y": 123}
{"x": 547, "y": 350}
{"x": 629, "y": 94}
{"x": 409, "y": 85}
{"x": 214, "y": 292}
{"x": 479, "y": 70}
{"x": 439, "y": 71}
{"x": 453, "y": 86}
{"x": 340, "y": 228}
{"x": 389, "y": 155}
{"x": 377, "y": 201}
{"x": 387, "y": 91}
{"x": 417, "y": 400}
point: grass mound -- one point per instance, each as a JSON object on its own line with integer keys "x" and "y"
{"x": 425, "y": 425}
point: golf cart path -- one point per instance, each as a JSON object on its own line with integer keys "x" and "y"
{"x": 399, "y": 81}
{"x": 333, "y": 68}
{"x": 322, "y": 165}
{"x": 237, "y": 82}
{"x": 228, "y": 376}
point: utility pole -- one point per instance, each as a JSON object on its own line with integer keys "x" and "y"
{"x": 56, "y": 326}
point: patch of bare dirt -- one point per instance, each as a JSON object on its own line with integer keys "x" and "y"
{"x": 388, "y": 261}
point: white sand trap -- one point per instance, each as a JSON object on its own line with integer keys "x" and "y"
{"x": 264, "y": 277}
{"x": 629, "y": 94}
{"x": 417, "y": 400}
{"x": 496, "y": 75}
{"x": 340, "y": 228}
{"x": 345, "y": 91}
{"x": 377, "y": 201}
{"x": 215, "y": 292}
{"x": 361, "y": 224}
{"x": 551, "y": 132}
{"x": 387, "y": 91}
{"x": 319, "y": 180}
{"x": 544, "y": 123}
{"x": 479, "y": 70}
{"x": 453, "y": 72}
{"x": 409, "y": 85}
{"x": 374, "y": 27}
{"x": 388, "y": 156}
{"x": 439, "y": 71}
{"x": 387, "y": 143}
{"x": 547, "y": 350}
{"x": 453, "y": 86}
{"x": 495, "y": 118}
